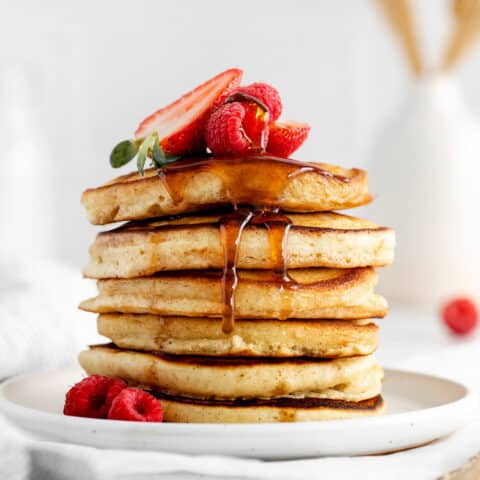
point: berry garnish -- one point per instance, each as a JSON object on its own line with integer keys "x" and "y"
{"x": 286, "y": 137}
{"x": 460, "y": 315}
{"x": 135, "y": 405}
{"x": 177, "y": 129}
{"x": 218, "y": 115}
{"x": 267, "y": 95}
{"x": 92, "y": 397}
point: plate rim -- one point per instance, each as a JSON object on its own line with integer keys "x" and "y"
{"x": 9, "y": 408}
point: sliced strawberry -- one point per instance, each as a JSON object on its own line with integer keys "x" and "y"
{"x": 180, "y": 125}
{"x": 286, "y": 137}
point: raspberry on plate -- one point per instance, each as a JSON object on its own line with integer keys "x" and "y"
{"x": 460, "y": 315}
{"x": 135, "y": 405}
{"x": 92, "y": 397}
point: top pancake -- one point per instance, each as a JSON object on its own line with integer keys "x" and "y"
{"x": 197, "y": 184}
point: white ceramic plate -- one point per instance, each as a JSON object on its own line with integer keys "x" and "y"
{"x": 420, "y": 408}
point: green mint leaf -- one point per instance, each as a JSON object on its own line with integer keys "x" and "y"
{"x": 123, "y": 153}
{"x": 142, "y": 154}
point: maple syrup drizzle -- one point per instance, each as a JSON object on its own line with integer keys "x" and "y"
{"x": 259, "y": 141}
{"x": 244, "y": 182}
{"x": 245, "y": 186}
{"x": 232, "y": 226}
{"x": 231, "y": 229}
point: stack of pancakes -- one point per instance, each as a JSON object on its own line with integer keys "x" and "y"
{"x": 235, "y": 294}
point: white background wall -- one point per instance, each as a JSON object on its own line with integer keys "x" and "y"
{"x": 94, "y": 69}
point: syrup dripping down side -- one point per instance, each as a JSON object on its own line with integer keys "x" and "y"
{"x": 231, "y": 229}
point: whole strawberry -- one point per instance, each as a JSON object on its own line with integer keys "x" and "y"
{"x": 92, "y": 397}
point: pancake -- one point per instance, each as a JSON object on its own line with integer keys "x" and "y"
{"x": 196, "y": 184}
{"x": 178, "y": 409}
{"x": 203, "y": 336}
{"x": 194, "y": 242}
{"x": 349, "y": 379}
{"x": 313, "y": 293}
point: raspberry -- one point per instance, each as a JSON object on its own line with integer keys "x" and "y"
{"x": 224, "y": 133}
{"x": 267, "y": 95}
{"x": 92, "y": 397}
{"x": 286, "y": 137}
{"x": 460, "y": 315}
{"x": 135, "y": 405}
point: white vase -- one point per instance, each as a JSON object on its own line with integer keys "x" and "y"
{"x": 425, "y": 172}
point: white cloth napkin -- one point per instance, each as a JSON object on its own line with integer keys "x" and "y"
{"x": 409, "y": 340}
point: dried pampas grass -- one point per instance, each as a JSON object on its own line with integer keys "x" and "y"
{"x": 466, "y": 31}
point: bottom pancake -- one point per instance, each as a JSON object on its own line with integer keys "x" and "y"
{"x": 350, "y": 379}
{"x": 186, "y": 410}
